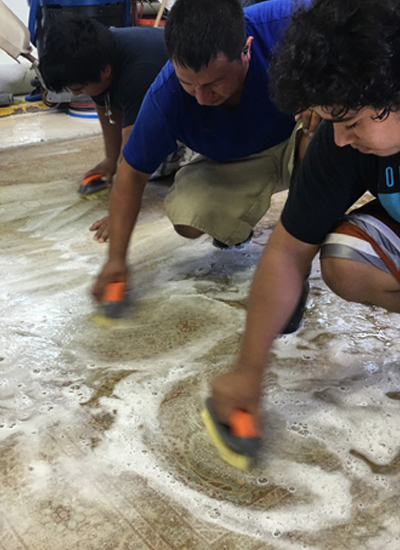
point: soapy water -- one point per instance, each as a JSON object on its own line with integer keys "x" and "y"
{"x": 354, "y": 419}
{"x": 331, "y": 406}
{"x": 321, "y": 390}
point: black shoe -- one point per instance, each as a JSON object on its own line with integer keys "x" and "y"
{"x": 295, "y": 321}
{"x": 237, "y": 246}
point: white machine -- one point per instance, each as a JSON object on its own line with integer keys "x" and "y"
{"x": 15, "y": 40}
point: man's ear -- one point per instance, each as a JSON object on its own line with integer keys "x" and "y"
{"x": 247, "y": 46}
{"x": 107, "y": 71}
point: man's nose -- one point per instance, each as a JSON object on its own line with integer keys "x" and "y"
{"x": 343, "y": 136}
{"x": 202, "y": 96}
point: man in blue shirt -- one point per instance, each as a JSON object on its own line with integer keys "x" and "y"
{"x": 212, "y": 96}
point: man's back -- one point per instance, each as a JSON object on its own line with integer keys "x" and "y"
{"x": 141, "y": 55}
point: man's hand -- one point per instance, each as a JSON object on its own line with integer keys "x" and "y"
{"x": 102, "y": 230}
{"x": 310, "y": 123}
{"x": 106, "y": 167}
{"x": 236, "y": 390}
{"x": 310, "y": 120}
{"x": 113, "y": 271}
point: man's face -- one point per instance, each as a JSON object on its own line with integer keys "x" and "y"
{"x": 93, "y": 88}
{"x": 222, "y": 80}
{"x": 363, "y": 131}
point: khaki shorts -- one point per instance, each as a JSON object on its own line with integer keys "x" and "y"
{"x": 227, "y": 199}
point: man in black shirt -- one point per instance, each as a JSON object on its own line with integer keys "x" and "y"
{"x": 114, "y": 66}
{"x": 341, "y": 59}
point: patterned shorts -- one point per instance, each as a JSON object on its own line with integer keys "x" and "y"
{"x": 369, "y": 235}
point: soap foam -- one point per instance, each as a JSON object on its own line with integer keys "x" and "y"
{"x": 330, "y": 387}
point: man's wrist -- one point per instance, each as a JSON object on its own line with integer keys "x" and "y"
{"x": 252, "y": 370}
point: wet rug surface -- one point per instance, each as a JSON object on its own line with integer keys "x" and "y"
{"x": 101, "y": 441}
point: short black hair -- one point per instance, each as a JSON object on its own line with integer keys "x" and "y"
{"x": 197, "y": 31}
{"x": 340, "y": 54}
{"x": 76, "y": 50}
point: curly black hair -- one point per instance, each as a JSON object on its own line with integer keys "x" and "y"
{"x": 340, "y": 54}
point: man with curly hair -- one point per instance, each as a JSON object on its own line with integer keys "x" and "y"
{"x": 342, "y": 59}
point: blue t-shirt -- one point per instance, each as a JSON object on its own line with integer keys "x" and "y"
{"x": 169, "y": 114}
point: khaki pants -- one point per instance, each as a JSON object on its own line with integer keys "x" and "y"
{"x": 227, "y": 199}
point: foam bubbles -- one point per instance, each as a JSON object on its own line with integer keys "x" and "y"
{"x": 332, "y": 413}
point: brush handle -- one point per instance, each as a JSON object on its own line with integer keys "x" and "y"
{"x": 242, "y": 424}
{"x": 114, "y": 300}
{"x": 114, "y": 292}
{"x": 91, "y": 178}
{"x": 240, "y": 436}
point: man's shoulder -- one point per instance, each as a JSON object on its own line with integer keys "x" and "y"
{"x": 166, "y": 86}
{"x": 266, "y": 21}
{"x": 270, "y": 11}
{"x": 143, "y": 34}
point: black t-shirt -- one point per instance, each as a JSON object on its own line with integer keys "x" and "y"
{"x": 330, "y": 180}
{"x": 141, "y": 55}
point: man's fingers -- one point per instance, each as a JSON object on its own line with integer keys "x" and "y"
{"x": 90, "y": 173}
{"x": 95, "y": 225}
{"x": 306, "y": 118}
{"x": 310, "y": 120}
{"x": 101, "y": 228}
{"x": 101, "y": 235}
{"x": 112, "y": 272}
{"x": 97, "y": 291}
{"x": 96, "y": 295}
{"x": 314, "y": 122}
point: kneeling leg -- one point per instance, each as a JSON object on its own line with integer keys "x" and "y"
{"x": 188, "y": 232}
{"x": 361, "y": 282}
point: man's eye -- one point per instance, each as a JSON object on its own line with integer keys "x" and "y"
{"x": 352, "y": 125}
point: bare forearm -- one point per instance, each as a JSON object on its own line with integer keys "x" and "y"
{"x": 273, "y": 298}
{"x": 112, "y": 133}
{"x": 126, "y": 200}
{"x": 274, "y": 295}
{"x": 126, "y": 132}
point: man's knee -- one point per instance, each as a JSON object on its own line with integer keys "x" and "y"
{"x": 188, "y": 232}
{"x": 340, "y": 276}
{"x": 361, "y": 282}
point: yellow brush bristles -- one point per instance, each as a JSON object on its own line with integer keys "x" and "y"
{"x": 96, "y": 195}
{"x": 238, "y": 461}
{"x": 104, "y": 321}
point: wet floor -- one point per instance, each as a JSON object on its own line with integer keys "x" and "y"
{"x": 101, "y": 440}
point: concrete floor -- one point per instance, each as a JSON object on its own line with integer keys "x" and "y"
{"x": 101, "y": 442}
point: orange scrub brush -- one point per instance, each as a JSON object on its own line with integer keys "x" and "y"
{"x": 113, "y": 304}
{"x": 92, "y": 186}
{"x": 238, "y": 442}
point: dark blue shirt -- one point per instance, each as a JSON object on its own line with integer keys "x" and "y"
{"x": 168, "y": 113}
{"x": 141, "y": 56}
